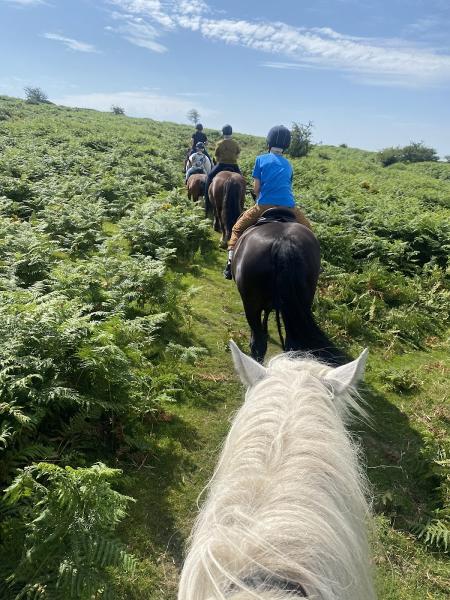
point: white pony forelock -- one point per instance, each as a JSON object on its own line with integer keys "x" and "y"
{"x": 288, "y": 496}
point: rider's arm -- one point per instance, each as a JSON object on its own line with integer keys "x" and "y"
{"x": 256, "y": 186}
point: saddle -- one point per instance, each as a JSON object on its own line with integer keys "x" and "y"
{"x": 197, "y": 171}
{"x": 280, "y": 215}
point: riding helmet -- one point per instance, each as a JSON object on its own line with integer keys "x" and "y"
{"x": 200, "y": 146}
{"x": 227, "y": 130}
{"x": 199, "y": 127}
{"x": 279, "y": 137}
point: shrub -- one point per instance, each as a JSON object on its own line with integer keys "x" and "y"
{"x": 35, "y": 95}
{"x": 414, "y": 152}
{"x": 117, "y": 110}
{"x": 389, "y": 156}
{"x": 4, "y": 114}
{"x": 58, "y": 539}
{"x": 418, "y": 152}
{"x": 301, "y": 139}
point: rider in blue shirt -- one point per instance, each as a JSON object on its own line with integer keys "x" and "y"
{"x": 272, "y": 184}
{"x": 274, "y": 172}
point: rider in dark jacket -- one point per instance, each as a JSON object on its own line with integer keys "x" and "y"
{"x": 198, "y": 136}
{"x": 226, "y": 153}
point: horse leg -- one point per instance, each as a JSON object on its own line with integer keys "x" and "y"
{"x": 258, "y": 340}
{"x": 217, "y": 224}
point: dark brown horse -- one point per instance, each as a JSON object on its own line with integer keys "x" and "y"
{"x": 196, "y": 186}
{"x": 226, "y": 196}
{"x": 276, "y": 267}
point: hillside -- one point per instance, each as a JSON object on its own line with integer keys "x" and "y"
{"x": 114, "y": 324}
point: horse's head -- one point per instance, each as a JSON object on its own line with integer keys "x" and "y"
{"x": 339, "y": 379}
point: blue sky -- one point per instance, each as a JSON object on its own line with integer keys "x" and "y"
{"x": 370, "y": 73}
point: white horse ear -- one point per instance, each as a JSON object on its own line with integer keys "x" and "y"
{"x": 348, "y": 375}
{"x": 248, "y": 369}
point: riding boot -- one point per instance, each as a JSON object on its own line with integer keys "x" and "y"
{"x": 227, "y": 272}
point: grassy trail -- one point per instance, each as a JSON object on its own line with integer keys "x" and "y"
{"x": 188, "y": 443}
{"x": 188, "y": 440}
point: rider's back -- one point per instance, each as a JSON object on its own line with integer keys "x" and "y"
{"x": 227, "y": 151}
{"x": 275, "y": 174}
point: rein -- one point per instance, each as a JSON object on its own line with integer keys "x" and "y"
{"x": 273, "y": 582}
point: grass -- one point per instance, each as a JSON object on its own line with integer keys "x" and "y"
{"x": 187, "y": 445}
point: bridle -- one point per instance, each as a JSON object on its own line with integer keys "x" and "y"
{"x": 265, "y": 583}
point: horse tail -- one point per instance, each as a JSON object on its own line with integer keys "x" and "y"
{"x": 231, "y": 209}
{"x": 292, "y": 295}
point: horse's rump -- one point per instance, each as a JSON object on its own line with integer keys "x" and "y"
{"x": 226, "y": 195}
{"x": 196, "y": 185}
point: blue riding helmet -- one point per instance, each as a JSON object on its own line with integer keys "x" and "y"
{"x": 279, "y": 137}
{"x": 199, "y": 127}
{"x": 227, "y": 130}
{"x": 200, "y": 146}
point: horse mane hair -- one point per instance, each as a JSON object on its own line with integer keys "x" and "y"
{"x": 287, "y": 498}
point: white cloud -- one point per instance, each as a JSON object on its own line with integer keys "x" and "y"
{"x": 138, "y": 32}
{"x": 71, "y": 43}
{"x": 139, "y": 104}
{"x": 390, "y": 61}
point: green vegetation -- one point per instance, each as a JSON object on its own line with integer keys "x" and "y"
{"x": 301, "y": 142}
{"x": 415, "y": 152}
{"x": 117, "y": 110}
{"x": 63, "y": 523}
{"x": 35, "y": 95}
{"x": 114, "y": 324}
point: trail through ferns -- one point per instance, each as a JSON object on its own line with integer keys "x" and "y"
{"x": 114, "y": 323}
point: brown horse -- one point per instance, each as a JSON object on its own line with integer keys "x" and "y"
{"x": 226, "y": 201}
{"x": 196, "y": 186}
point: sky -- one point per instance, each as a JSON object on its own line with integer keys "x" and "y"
{"x": 368, "y": 73}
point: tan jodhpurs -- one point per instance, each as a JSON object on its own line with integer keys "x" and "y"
{"x": 250, "y": 216}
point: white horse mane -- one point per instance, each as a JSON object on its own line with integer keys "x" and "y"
{"x": 288, "y": 497}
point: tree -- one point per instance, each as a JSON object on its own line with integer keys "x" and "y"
{"x": 447, "y": 158}
{"x": 35, "y": 95}
{"x": 193, "y": 116}
{"x": 301, "y": 139}
{"x": 117, "y": 110}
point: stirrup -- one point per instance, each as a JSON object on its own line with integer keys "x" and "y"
{"x": 227, "y": 272}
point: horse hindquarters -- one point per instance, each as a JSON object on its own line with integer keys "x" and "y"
{"x": 231, "y": 208}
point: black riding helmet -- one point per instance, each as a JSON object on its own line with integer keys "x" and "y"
{"x": 199, "y": 127}
{"x": 279, "y": 137}
{"x": 200, "y": 146}
{"x": 227, "y": 130}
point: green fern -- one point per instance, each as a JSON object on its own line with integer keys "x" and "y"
{"x": 65, "y": 540}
